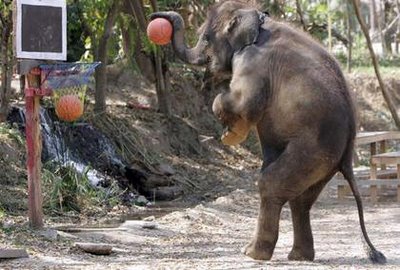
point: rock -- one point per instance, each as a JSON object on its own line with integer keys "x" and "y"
{"x": 139, "y": 224}
{"x": 141, "y": 200}
{"x": 167, "y": 193}
{"x": 49, "y": 234}
{"x": 66, "y": 235}
{"x": 166, "y": 169}
{"x": 13, "y": 253}
{"x": 95, "y": 248}
{"x": 149, "y": 218}
{"x": 149, "y": 225}
{"x": 7, "y": 224}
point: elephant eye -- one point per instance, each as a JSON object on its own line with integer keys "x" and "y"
{"x": 232, "y": 24}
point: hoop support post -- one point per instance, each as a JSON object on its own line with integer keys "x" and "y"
{"x": 33, "y": 147}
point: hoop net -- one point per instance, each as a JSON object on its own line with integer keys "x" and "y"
{"x": 67, "y": 79}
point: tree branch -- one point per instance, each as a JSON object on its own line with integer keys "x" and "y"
{"x": 300, "y": 13}
{"x": 385, "y": 93}
{"x": 138, "y": 12}
{"x": 312, "y": 27}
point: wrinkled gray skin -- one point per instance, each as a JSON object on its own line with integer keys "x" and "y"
{"x": 293, "y": 92}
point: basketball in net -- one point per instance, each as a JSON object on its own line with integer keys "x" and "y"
{"x": 69, "y": 82}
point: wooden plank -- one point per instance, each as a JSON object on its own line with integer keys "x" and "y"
{"x": 342, "y": 191}
{"x": 378, "y": 182}
{"x": 34, "y": 151}
{"x": 373, "y": 192}
{"x": 398, "y": 187}
{"x": 370, "y": 137}
{"x": 395, "y": 154}
{"x": 373, "y": 171}
{"x": 373, "y": 148}
{"x": 13, "y": 253}
{"x": 382, "y": 149}
{"x": 78, "y": 230}
{"x": 373, "y": 188}
{"x": 386, "y": 158}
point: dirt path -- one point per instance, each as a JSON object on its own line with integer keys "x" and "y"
{"x": 211, "y": 235}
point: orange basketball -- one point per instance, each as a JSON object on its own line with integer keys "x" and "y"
{"x": 69, "y": 108}
{"x": 159, "y": 31}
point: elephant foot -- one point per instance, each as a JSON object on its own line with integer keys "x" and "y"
{"x": 258, "y": 250}
{"x": 237, "y": 133}
{"x": 301, "y": 255}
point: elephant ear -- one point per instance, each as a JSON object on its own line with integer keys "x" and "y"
{"x": 242, "y": 31}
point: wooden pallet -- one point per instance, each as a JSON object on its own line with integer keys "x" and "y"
{"x": 383, "y": 160}
{"x": 371, "y": 184}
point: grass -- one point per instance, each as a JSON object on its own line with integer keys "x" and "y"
{"x": 6, "y": 131}
{"x": 68, "y": 190}
{"x": 384, "y": 70}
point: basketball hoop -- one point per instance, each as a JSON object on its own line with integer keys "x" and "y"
{"x": 68, "y": 83}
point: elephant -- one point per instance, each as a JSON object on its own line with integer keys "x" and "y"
{"x": 288, "y": 88}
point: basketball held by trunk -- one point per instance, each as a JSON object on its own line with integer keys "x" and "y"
{"x": 159, "y": 31}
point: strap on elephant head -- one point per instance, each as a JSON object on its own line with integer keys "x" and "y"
{"x": 263, "y": 34}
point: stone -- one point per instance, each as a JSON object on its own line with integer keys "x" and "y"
{"x": 139, "y": 224}
{"x": 13, "y": 253}
{"x": 95, "y": 248}
{"x": 166, "y": 169}
{"x": 141, "y": 200}
{"x": 49, "y": 234}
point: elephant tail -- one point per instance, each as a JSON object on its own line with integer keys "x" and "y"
{"x": 374, "y": 255}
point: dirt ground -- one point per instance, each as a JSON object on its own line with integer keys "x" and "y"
{"x": 211, "y": 235}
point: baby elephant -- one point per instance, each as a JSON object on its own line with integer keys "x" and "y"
{"x": 287, "y": 87}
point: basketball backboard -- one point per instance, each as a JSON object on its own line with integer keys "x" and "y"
{"x": 41, "y": 29}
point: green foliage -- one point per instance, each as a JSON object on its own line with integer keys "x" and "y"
{"x": 85, "y": 26}
{"x": 75, "y": 35}
{"x": 12, "y": 133}
{"x": 68, "y": 190}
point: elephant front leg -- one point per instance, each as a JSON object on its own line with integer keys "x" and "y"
{"x": 263, "y": 244}
{"x": 237, "y": 128}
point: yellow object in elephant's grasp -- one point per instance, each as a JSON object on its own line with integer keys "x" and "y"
{"x": 69, "y": 107}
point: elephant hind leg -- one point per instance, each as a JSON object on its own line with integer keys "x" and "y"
{"x": 303, "y": 243}
{"x": 286, "y": 179}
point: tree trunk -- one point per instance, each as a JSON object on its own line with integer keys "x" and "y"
{"x": 397, "y": 35}
{"x": 329, "y": 26}
{"x": 159, "y": 65}
{"x": 300, "y": 13}
{"x": 87, "y": 29}
{"x": 385, "y": 93}
{"x": 144, "y": 60}
{"x": 6, "y": 66}
{"x": 376, "y": 26}
{"x": 162, "y": 91}
{"x": 349, "y": 38}
{"x": 101, "y": 71}
{"x": 387, "y": 34}
{"x": 138, "y": 13}
{"x": 373, "y": 18}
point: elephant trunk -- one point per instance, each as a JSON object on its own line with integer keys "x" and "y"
{"x": 195, "y": 55}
